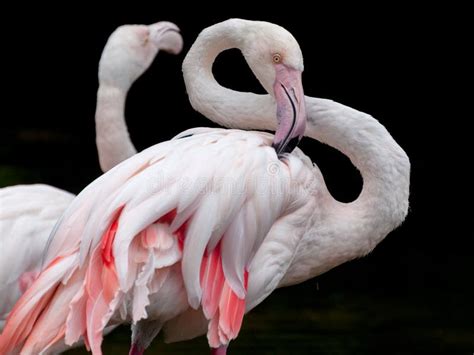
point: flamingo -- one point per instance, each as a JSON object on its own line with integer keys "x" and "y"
{"x": 208, "y": 224}
{"x": 29, "y": 212}
{"x": 127, "y": 55}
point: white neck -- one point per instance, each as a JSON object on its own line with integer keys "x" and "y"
{"x": 348, "y": 230}
{"x": 112, "y": 138}
{"x": 226, "y": 107}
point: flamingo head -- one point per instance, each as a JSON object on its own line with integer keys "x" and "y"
{"x": 131, "y": 49}
{"x": 275, "y": 58}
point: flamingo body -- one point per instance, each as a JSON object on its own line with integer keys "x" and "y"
{"x": 28, "y": 213}
{"x": 200, "y": 229}
{"x": 156, "y": 245}
{"x": 27, "y": 216}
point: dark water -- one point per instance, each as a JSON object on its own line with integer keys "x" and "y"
{"x": 303, "y": 320}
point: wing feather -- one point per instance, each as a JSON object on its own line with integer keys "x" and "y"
{"x": 202, "y": 204}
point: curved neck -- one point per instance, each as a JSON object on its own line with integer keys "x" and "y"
{"x": 384, "y": 166}
{"x": 347, "y": 231}
{"x": 226, "y": 107}
{"x": 112, "y": 138}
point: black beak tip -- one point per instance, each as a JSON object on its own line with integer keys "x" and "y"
{"x": 281, "y": 149}
{"x": 278, "y": 147}
{"x": 292, "y": 144}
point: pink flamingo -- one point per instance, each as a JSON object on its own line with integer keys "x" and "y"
{"x": 29, "y": 212}
{"x": 213, "y": 220}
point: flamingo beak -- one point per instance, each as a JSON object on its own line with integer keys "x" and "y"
{"x": 291, "y": 109}
{"x": 166, "y": 36}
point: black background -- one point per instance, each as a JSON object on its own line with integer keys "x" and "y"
{"x": 386, "y": 62}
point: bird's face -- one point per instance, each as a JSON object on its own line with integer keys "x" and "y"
{"x": 131, "y": 49}
{"x": 276, "y": 60}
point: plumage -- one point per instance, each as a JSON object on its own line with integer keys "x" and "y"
{"x": 244, "y": 220}
{"x": 115, "y": 233}
{"x": 28, "y": 213}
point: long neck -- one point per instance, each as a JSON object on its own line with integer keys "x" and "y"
{"x": 350, "y": 230}
{"x": 345, "y": 231}
{"x": 383, "y": 164}
{"x": 226, "y": 107}
{"x": 112, "y": 138}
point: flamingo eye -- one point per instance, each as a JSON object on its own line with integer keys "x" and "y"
{"x": 276, "y": 58}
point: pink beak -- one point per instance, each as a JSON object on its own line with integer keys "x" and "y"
{"x": 291, "y": 109}
{"x": 166, "y": 36}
